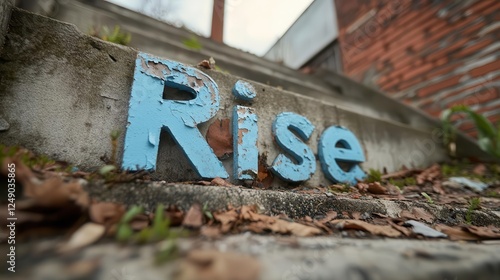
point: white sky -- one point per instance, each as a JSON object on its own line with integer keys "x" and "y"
{"x": 249, "y": 25}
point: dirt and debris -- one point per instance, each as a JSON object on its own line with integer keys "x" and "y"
{"x": 52, "y": 197}
{"x": 51, "y": 201}
{"x": 207, "y": 63}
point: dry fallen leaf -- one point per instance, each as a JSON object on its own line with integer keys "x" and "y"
{"x": 376, "y": 188}
{"x": 227, "y": 219}
{"x": 484, "y": 232}
{"x": 106, "y": 213}
{"x": 220, "y": 182}
{"x": 430, "y": 174}
{"x": 84, "y": 236}
{"x": 194, "y": 217}
{"x": 457, "y": 233}
{"x": 248, "y": 213}
{"x": 175, "y": 215}
{"x": 404, "y": 230}
{"x": 384, "y": 230}
{"x": 400, "y": 174}
{"x": 220, "y": 138}
{"x": 417, "y": 213}
{"x": 205, "y": 64}
{"x": 296, "y": 229}
{"x": 356, "y": 215}
{"x": 331, "y": 215}
{"x": 207, "y": 265}
{"x": 54, "y": 193}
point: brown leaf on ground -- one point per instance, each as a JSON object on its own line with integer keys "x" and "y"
{"x": 438, "y": 188}
{"x": 362, "y": 187}
{"x": 46, "y": 206}
{"x": 55, "y": 193}
{"x": 210, "y": 264}
{"x": 456, "y": 233}
{"x": 429, "y": 175}
{"x": 296, "y": 229}
{"x": 322, "y": 226}
{"x": 227, "y": 219}
{"x": 248, "y": 213}
{"x": 400, "y": 174}
{"x": 194, "y": 217}
{"x": 484, "y": 232}
{"x": 331, "y": 215}
{"x": 376, "y": 188}
{"x": 106, "y": 213}
{"x": 175, "y": 215}
{"x": 392, "y": 189}
{"x": 204, "y": 183}
{"x": 220, "y": 182}
{"x": 384, "y": 230}
{"x": 417, "y": 213}
{"x": 84, "y": 236}
{"x": 205, "y": 64}
{"x": 220, "y": 138}
{"x": 261, "y": 223}
{"x": 404, "y": 230}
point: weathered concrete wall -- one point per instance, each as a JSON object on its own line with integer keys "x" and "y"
{"x": 158, "y": 38}
{"x": 63, "y": 93}
{"x": 5, "y": 9}
{"x": 164, "y": 40}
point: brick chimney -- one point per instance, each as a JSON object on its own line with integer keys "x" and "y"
{"x": 218, "y": 21}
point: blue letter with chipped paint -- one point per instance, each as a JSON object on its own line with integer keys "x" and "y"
{"x": 246, "y": 155}
{"x": 149, "y": 113}
{"x": 339, "y": 145}
{"x": 284, "y": 167}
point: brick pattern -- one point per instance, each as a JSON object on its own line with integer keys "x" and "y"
{"x": 430, "y": 54}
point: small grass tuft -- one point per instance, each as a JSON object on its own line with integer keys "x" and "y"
{"x": 192, "y": 43}
{"x": 374, "y": 176}
{"x": 429, "y": 199}
{"x": 474, "y": 204}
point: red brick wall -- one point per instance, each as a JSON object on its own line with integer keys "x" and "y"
{"x": 430, "y": 54}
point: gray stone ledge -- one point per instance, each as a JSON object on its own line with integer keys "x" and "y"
{"x": 272, "y": 202}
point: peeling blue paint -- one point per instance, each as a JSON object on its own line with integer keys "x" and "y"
{"x": 149, "y": 113}
{"x": 283, "y": 166}
{"x": 351, "y": 153}
{"x": 245, "y": 133}
{"x": 244, "y": 91}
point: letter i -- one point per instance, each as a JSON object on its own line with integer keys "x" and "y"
{"x": 245, "y": 134}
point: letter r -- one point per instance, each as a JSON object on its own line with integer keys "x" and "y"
{"x": 149, "y": 113}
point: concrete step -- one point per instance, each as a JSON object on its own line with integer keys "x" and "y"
{"x": 269, "y": 202}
